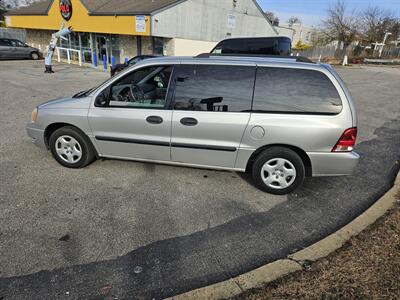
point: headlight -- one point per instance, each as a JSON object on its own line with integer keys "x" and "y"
{"x": 34, "y": 115}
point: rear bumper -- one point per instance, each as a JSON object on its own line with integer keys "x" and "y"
{"x": 333, "y": 164}
{"x": 36, "y": 134}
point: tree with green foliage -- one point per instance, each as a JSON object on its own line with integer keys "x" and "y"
{"x": 300, "y": 46}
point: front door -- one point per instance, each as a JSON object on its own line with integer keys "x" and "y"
{"x": 20, "y": 49}
{"x": 135, "y": 121}
{"x": 101, "y": 47}
{"x": 212, "y": 107}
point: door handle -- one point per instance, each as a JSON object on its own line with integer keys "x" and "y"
{"x": 154, "y": 120}
{"x": 189, "y": 121}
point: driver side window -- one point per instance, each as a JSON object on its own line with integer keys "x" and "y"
{"x": 144, "y": 88}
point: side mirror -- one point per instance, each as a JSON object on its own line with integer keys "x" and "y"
{"x": 101, "y": 100}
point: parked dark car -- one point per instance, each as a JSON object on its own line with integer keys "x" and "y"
{"x": 13, "y": 49}
{"x": 119, "y": 67}
{"x": 278, "y": 45}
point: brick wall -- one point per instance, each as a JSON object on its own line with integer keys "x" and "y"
{"x": 39, "y": 38}
{"x": 147, "y": 45}
{"x": 12, "y": 33}
{"x": 128, "y": 46}
{"x": 170, "y": 46}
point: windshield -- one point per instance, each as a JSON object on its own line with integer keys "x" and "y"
{"x": 133, "y": 61}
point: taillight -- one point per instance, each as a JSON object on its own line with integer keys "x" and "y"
{"x": 347, "y": 141}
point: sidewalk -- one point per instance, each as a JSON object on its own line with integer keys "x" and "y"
{"x": 368, "y": 266}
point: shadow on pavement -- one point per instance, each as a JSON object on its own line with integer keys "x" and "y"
{"x": 173, "y": 266}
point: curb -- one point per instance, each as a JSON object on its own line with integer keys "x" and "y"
{"x": 295, "y": 262}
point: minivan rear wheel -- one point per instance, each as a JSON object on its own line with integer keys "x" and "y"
{"x": 278, "y": 171}
{"x": 71, "y": 148}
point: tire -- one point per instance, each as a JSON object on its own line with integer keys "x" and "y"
{"x": 35, "y": 56}
{"x": 71, "y": 148}
{"x": 278, "y": 171}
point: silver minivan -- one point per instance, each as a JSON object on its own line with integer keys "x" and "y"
{"x": 280, "y": 119}
{"x": 14, "y": 49}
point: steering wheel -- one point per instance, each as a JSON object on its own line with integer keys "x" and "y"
{"x": 126, "y": 95}
{"x": 139, "y": 94}
{"x": 132, "y": 93}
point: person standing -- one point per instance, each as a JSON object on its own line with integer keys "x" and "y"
{"x": 48, "y": 58}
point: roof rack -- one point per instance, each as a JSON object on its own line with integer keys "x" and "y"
{"x": 297, "y": 58}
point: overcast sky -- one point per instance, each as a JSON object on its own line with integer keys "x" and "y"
{"x": 312, "y": 11}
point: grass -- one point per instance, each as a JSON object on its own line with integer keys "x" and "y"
{"x": 366, "y": 267}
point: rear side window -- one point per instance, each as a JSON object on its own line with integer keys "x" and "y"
{"x": 285, "y": 47}
{"x": 214, "y": 88}
{"x": 285, "y": 90}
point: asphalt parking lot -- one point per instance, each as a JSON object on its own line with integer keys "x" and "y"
{"x": 118, "y": 230}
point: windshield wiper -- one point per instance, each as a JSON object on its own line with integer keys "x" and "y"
{"x": 83, "y": 93}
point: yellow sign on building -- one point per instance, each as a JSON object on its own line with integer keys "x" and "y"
{"x": 82, "y": 21}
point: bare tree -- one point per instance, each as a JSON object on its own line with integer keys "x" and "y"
{"x": 341, "y": 26}
{"x": 376, "y": 22}
{"x": 293, "y": 20}
{"x": 272, "y": 18}
{"x": 10, "y": 4}
{"x": 372, "y": 18}
{"x": 319, "y": 38}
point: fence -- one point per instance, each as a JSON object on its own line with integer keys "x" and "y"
{"x": 337, "y": 51}
{"x": 393, "y": 52}
{"x": 69, "y": 52}
{"x": 19, "y": 34}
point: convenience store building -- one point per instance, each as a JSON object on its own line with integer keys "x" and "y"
{"x": 126, "y": 28}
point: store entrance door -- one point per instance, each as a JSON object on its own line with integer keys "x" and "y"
{"x": 108, "y": 45}
{"x": 101, "y": 43}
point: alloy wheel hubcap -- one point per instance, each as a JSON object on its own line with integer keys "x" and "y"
{"x": 68, "y": 149}
{"x": 278, "y": 173}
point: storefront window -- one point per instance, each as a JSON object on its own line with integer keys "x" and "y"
{"x": 108, "y": 45}
{"x": 63, "y": 44}
{"x": 77, "y": 41}
{"x": 86, "y": 48}
{"x": 115, "y": 50}
{"x": 74, "y": 40}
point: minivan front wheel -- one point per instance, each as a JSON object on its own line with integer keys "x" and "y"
{"x": 34, "y": 56}
{"x": 278, "y": 171}
{"x": 71, "y": 148}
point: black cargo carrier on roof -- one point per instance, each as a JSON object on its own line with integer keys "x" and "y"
{"x": 295, "y": 58}
{"x": 277, "y": 45}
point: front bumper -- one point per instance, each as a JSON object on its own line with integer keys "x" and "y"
{"x": 333, "y": 164}
{"x": 36, "y": 134}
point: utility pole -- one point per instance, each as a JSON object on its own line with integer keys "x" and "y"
{"x": 383, "y": 43}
